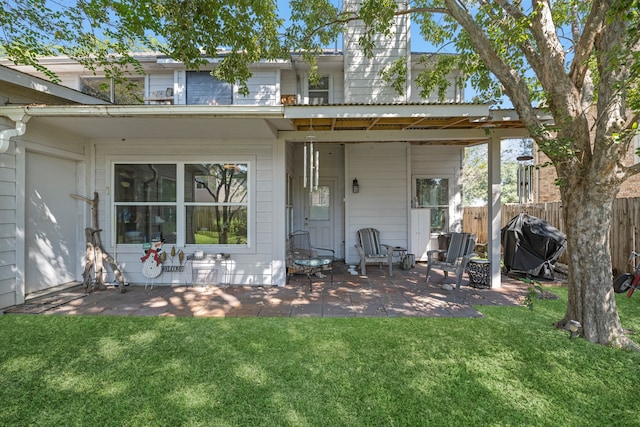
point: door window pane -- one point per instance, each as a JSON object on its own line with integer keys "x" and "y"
{"x": 319, "y": 204}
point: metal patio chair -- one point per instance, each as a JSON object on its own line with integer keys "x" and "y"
{"x": 302, "y": 258}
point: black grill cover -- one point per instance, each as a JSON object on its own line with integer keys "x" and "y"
{"x": 532, "y": 246}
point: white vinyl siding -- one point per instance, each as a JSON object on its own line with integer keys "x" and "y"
{"x": 383, "y": 200}
{"x": 264, "y": 89}
{"x": 8, "y": 228}
{"x": 288, "y": 84}
{"x": 160, "y": 88}
{"x": 363, "y": 83}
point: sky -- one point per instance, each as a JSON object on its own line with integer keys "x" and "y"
{"x": 417, "y": 42}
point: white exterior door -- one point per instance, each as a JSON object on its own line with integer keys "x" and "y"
{"x": 322, "y": 216}
{"x": 50, "y": 238}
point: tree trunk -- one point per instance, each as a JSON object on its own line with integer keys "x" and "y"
{"x": 591, "y": 300}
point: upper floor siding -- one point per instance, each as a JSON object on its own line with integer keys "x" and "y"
{"x": 363, "y": 81}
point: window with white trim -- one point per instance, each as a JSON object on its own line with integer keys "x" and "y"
{"x": 184, "y": 203}
{"x": 433, "y": 193}
{"x": 319, "y": 91}
{"x": 128, "y": 91}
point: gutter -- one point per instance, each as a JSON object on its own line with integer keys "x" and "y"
{"x": 21, "y": 127}
{"x": 243, "y": 111}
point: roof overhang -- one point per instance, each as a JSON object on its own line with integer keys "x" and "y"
{"x": 464, "y": 124}
{"x": 33, "y": 86}
{"x": 418, "y": 123}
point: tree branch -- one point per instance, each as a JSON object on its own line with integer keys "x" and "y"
{"x": 633, "y": 170}
{"x": 530, "y": 52}
{"x": 514, "y": 83}
{"x": 584, "y": 46}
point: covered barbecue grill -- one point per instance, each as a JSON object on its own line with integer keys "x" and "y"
{"x": 531, "y": 246}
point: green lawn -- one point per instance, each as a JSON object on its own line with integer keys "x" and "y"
{"x": 511, "y": 368}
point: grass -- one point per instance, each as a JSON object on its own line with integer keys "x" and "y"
{"x": 213, "y": 238}
{"x": 509, "y": 368}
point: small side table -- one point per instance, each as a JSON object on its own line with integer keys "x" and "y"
{"x": 399, "y": 251}
{"x": 479, "y": 271}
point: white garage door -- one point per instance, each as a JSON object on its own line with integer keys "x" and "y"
{"x": 50, "y": 234}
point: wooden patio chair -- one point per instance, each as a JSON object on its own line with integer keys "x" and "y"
{"x": 371, "y": 251}
{"x": 302, "y": 258}
{"x": 455, "y": 258}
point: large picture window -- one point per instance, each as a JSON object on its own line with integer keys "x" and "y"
{"x": 183, "y": 203}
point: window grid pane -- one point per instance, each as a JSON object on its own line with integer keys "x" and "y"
{"x": 216, "y": 225}
{"x": 319, "y": 204}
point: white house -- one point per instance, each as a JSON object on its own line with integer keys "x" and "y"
{"x": 213, "y": 171}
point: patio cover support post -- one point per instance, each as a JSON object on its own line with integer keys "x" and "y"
{"x": 494, "y": 217}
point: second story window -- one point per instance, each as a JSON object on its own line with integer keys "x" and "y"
{"x": 126, "y": 92}
{"x": 319, "y": 91}
{"x": 204, "y": 89}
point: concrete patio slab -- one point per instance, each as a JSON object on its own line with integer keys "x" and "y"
{"x": 405, "y": 294}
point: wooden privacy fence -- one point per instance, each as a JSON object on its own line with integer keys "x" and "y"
{"x": 625, "y": 225}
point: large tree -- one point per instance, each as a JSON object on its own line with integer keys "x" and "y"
{"x": 576, "y": 59}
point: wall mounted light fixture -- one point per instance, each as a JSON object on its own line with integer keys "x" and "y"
{"x": 355, "y": 186}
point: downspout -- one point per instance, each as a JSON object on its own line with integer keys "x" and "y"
{"x": 7, "y": 134}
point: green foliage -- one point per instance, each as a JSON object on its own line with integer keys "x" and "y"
{"x": 475, "y": 172}
{"x": 436, "y": 77}
{"x": 101, "y": 33}
{"x": 534, "y": 290}
{"x": 396, "y": 75}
